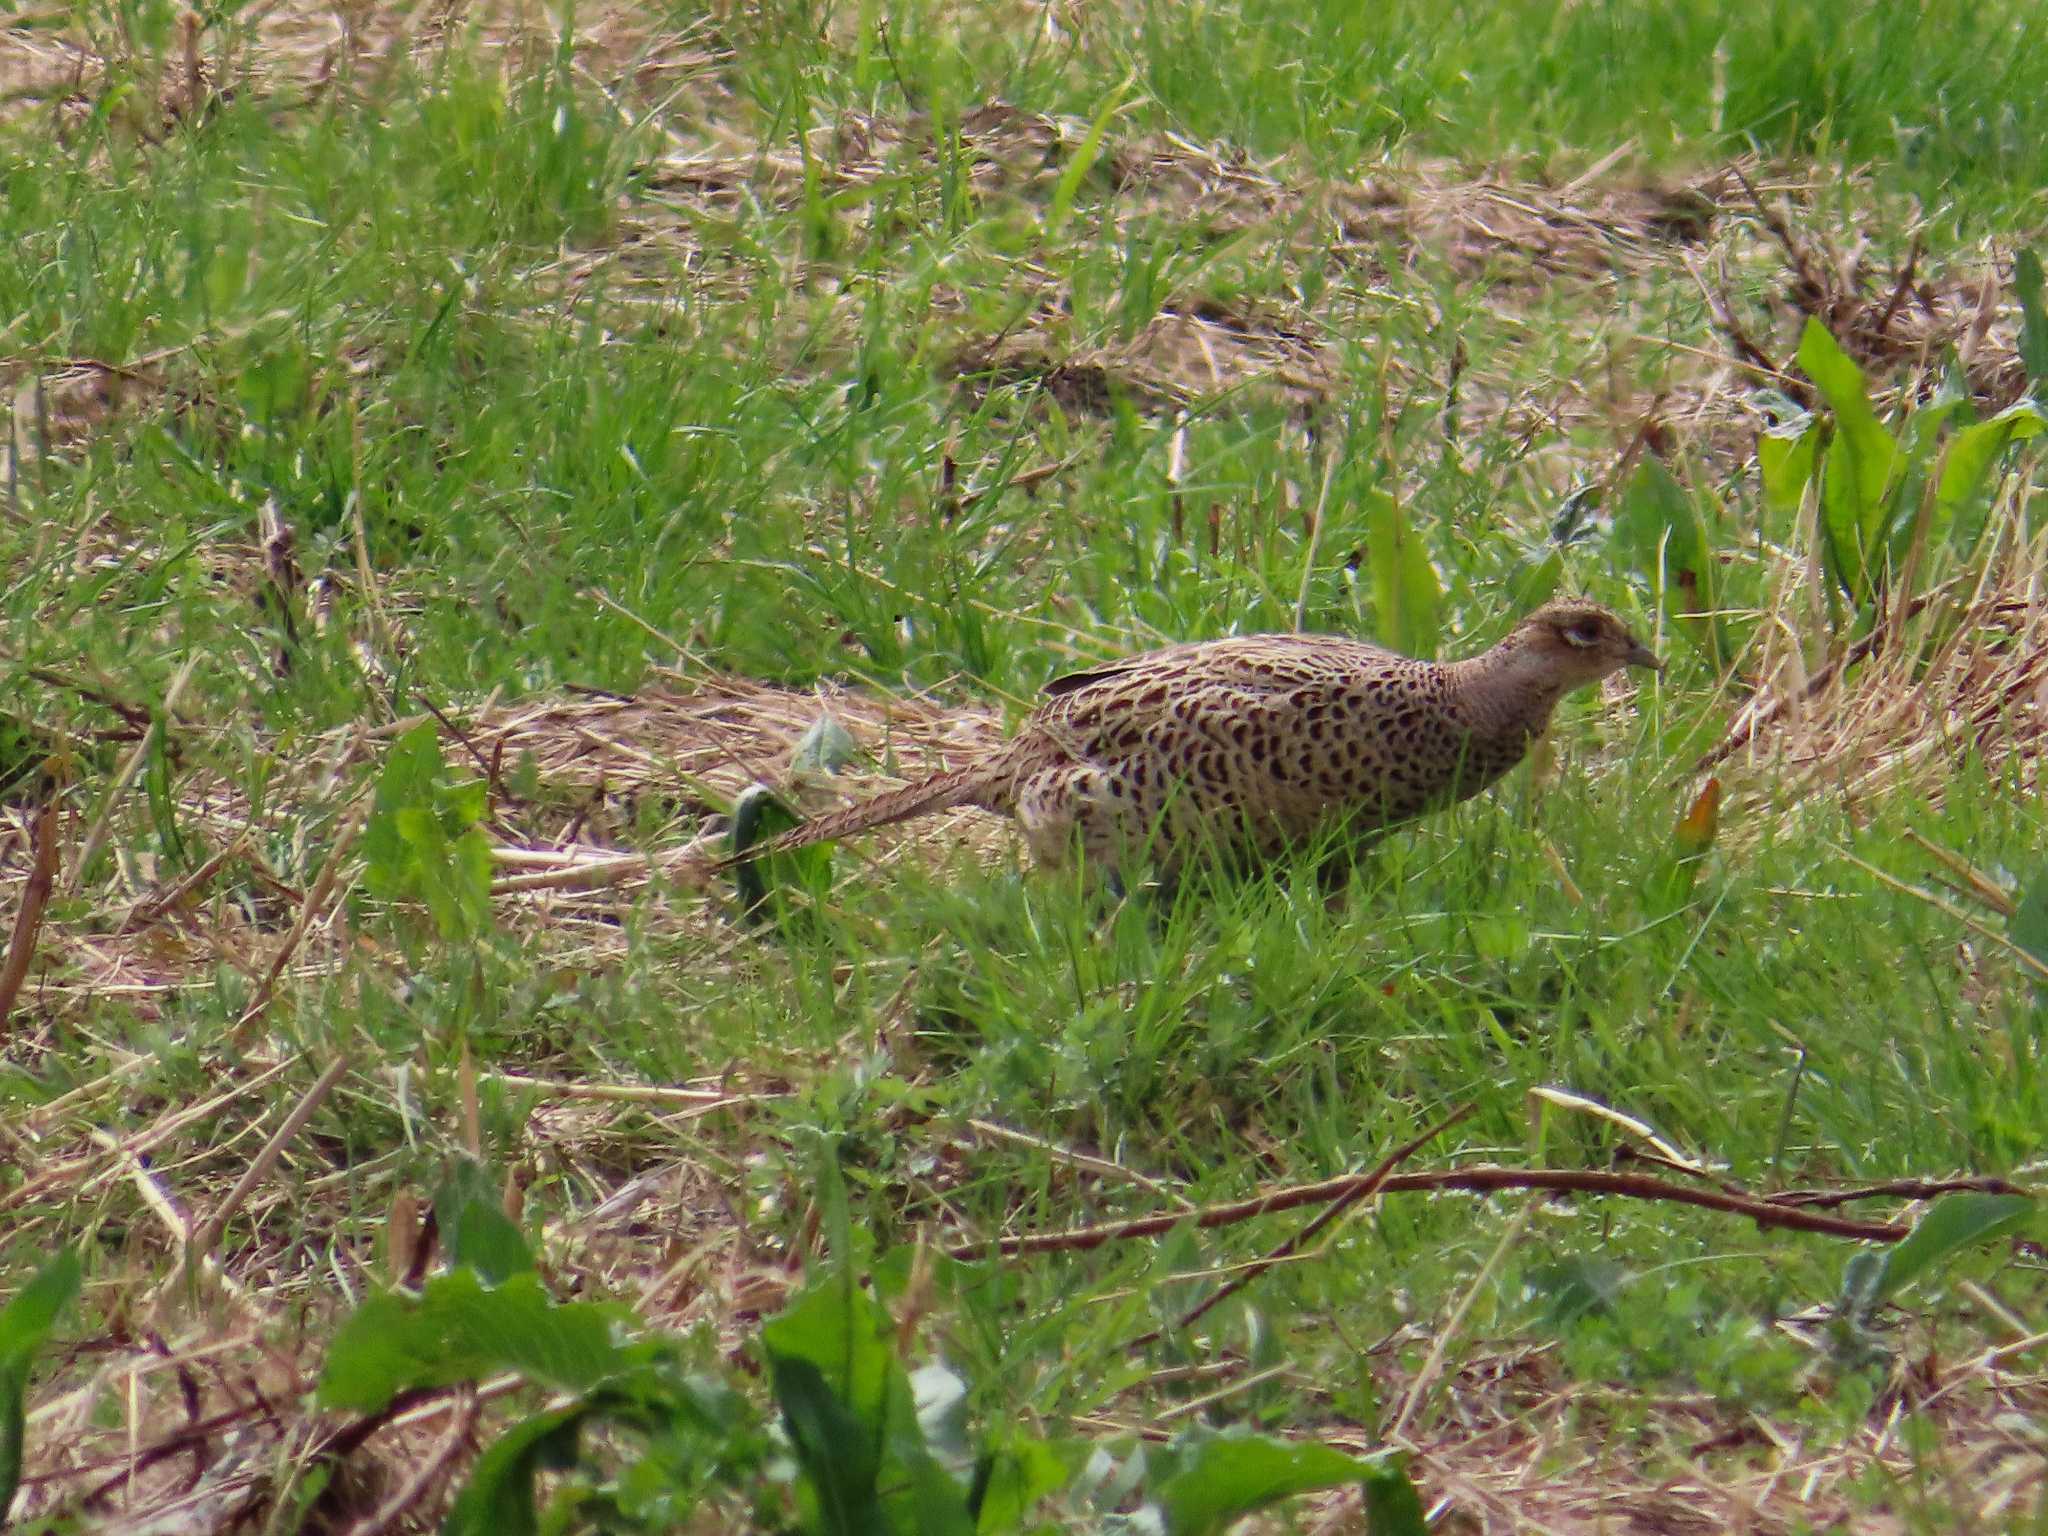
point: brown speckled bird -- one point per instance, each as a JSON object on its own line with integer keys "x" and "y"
{"x": 1252, "y": 745}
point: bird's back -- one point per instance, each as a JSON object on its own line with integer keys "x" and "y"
{"x": 1261, "y": 738}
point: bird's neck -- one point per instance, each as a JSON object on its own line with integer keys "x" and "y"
{"x": 1506, "y": 693}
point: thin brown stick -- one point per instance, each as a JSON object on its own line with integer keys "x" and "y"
{"x": 604, "y": 599}
{"x": 1900, "y": 289}
{"x": 28, "y": 917}
{"x": 1480, "y": 1181}
{"x": 484, "y": 765}
{"x": 593, "y": 875}
{"x": 315, "y": 903}
{"x": 1980, "y": 886}
{"x": 2026, "y": 958}
{"x": 147, "y": 910}
{"x": 628, "y": 1093}
{"x": 78, "y": 1170}
{"x": 1366, "y": 1188}
{"x": 1643, "y": 437}
{"x": 134, "y": 715}
{"x": 260, "y": 1165}
{"x": 1900, "y": 1189}
{"x": 1781, "y": 231}
{"x": 432, "y": 1467}
{"x": 1101, "y": 1166}
{"x": 1870, "y": 645}
{"x": 1314, "y": 540}
{"x": 1748, "y": 355}
{"x": 103, "y": 824}
{"x": 1433, "y": 1364}
{"x": 192, "y": 1437}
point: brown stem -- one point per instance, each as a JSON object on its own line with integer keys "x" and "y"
{"x": 1364, "y": 1189}
{"x": 1870, "y": 645}
{"x": 28, "y": 918}
{"x": 1897, "y": 1189}
{"x": 1483, "y": 1180}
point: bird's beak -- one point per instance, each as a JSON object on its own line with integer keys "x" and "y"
{"x": 1640, "y": 655}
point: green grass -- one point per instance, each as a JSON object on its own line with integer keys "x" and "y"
{"x": 471, "y": 317}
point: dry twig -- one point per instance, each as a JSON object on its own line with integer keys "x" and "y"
{"x": 1483, "y": 1180}
{"x": 28, "y": 917}
{"x": 309, "y": 912}
{"x": 209, "y": 1231}
{"x": 1364, "y": 1189}
{"x": 103, "y": 824}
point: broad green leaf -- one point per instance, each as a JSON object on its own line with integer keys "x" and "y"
{"x": 1862, "y": 1284}
{"x": 1575, "y": 1287}
{"x": 1786, "y": 458}
{"x": 25, "y": 1324}
{"x": 2026, "y": 282}
{"x": 1012, "y": 1480}
{"x": 1532, "y": 583}
{"x": 459, "y": 1329}
{"x": 1405, "y": 593}
{"x": 1872, "y": 454}
{"x": 840, "y": 1453}
{"x": 1657, "y": 528}
{"x": 1921, "y": 435}
{"x": 1577, "y": 518}
{"x": 499, "y": 1498}
{"x": 423, "y": 843}
{"x": 163, "y": 805}
{"x": 765, "y": 884}
{"x": 1952, "y": 1223}
{"x": 848, "y": 1335}
{"x": 1217, "y": 1479}
{"x": 1860, "y": 465}
{"x": 474, "y": 1227}
{"x": 1392, "y": 1506}
{"x": 826, "y": 747}
{"x": 851, "y": 1412}
{"x": 410, "y": 770}
{"x": 1977, "y": 448}
{"x": 1911, "y": 515}
{"x": 935, "y": 1503}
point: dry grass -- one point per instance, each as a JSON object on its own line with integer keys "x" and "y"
{"x": 679, "y": 748}
{"x": 176, "y": 1419}
{"x": 188, "y": 1411}
{"x": 1959, "y": 683}
{"x": 1526, "y": 1450}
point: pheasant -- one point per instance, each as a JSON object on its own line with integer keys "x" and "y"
{"x": 1253, "y": 745}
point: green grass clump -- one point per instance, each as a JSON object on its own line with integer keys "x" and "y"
{"x": 733, "y": 348}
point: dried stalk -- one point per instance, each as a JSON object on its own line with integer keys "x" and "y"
{"x": 1484, "y": 1180}
{"x": 260, "y": 1165}
{"x": 28, "y": 918}
{"x": 1365, "y": 1189}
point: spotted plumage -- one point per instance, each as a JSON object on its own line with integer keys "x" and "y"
{"x": 1249, "y": 746}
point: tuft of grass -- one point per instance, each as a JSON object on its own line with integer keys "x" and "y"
{"x": 516, "y": 446}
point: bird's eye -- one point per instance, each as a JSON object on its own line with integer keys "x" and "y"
{"x": 1584, "y": 633}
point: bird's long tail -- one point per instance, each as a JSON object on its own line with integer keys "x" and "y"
{"x": 942, "y": 792}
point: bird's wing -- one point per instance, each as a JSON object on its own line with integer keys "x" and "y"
{"x": 1261, "y": 663}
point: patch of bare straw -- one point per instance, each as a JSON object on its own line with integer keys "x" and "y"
{"x": 1518, "y": 1446}
{"x": 690, "y": 744}
{"x": 59, "y": 64}
{"x": 1904, "y": 318}
{"x": 566, "y": 849}
{"x": 1957, "y": 679}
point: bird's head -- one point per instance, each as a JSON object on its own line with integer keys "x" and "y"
{"x": 1579, "y": 642}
